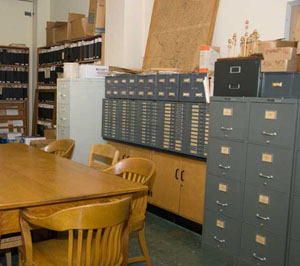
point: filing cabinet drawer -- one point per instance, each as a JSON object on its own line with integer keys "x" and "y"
{"x": 63, "y": 110}
{"x": 293, "y": 253}
{"x": 272, "y": 124}
{"x": 237, "y": 78}
{"x": 63, "y": 119}
{"x": 63, "y": 132}
{"x": 227, "y": 158}
{"x": 224, "y": 196}
{"x": 109, "y": 92}
{"x": 265, "y": 167}
{"x": 260, "y": 247}
{"x": 229, "y": 120}
{"x": 109, "y": 81}
{"x": 63, "y": 95}
{"x": 267, "y": 209}
{"x": 221, "y": 232}
{"x": 295, "y": 218}
{"x": 192, "y": 88}
{"x": 297, "y": 174}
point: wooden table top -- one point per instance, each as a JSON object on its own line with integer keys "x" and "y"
{"x": 30, "y": 177}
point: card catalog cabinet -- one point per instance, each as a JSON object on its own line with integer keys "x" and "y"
{"x": 249, "y": 179}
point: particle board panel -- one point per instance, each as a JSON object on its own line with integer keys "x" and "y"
{"x": 178, "y": 28}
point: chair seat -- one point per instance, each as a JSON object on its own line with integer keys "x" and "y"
{"x": 54, "y": 252}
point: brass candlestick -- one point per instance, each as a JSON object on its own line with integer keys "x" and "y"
{"x": 234, "y": 43}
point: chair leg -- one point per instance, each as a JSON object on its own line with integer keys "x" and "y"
{"x": 8, "y": 258}
{"x": 143, "y": 244}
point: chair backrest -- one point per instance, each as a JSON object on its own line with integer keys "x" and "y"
{"x": 62, "y": 147}
{"x": 98, "y": 232}
{"x": 138, "y": 170}
{"x": 104, "y": 151}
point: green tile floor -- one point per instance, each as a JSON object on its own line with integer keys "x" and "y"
{"x": 169, "y": 245}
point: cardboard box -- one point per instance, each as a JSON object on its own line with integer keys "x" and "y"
{"x": 78, "y": 28}
{"x": 50, "y": 133}
{"x": 61, "y": 32}
{"x": 279, "y": 65}
{"x": 50, "y": 36}
{"x": 96, "y": 18}
{"x": 298, "y": 47}
{"x": 283, "y": 53}
{"x": 275, "y": 44}
{"x": 208, "y": 57}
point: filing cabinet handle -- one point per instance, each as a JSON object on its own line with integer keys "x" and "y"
{"x": 176, "y": 172}
{"x": 219, "y": 240}
{"x": 224, "y": 167}
{"x": 269, "y": 134}
{"x": 232, "y": 87}
{"x": 227, "y": 128}
{"x": 262, "y": 218}
{"x": 265, "y": 176}
{"x": 259, "y": 258}
{"x": 221, "y": 204}
{"x": 181, "y": 176}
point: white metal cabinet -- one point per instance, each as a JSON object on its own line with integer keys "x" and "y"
{"x": 79, "y": 114}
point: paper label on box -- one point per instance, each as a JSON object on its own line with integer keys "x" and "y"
{"x": 186, "y": 94}
{"x": 264, "y": 199}
{"x": 108, "y": 81}
{"x": 116, "y": 81}
{"x": 261, "y": 239}
{"x": 161, "y": 80}
{"x": 199, "y": 94}
{"x": 223, "y": 187}
{"x": 199, "y": 80}
{"x": 227, "y": 111}
{"x": 150, "y": 93}
{"x": 150, "y": 80}
{"x": 131, "y": 80}
{"x": 131, "y": 93}
{"x": 277, "y": 84}
{"x": 270, "y": 115}
{"x": 123, "y": 80}
{"x": 123, "y": 92}
{"x": 161, "y": 93}
{"x": 141, "y": 93}
{"x": 187, "y": 80}
{"x": 266, "y": 157}
{"x": 171, "y": 93}
{"x": 225, "y": 150}
{"x": 173, "y": 80}
{"x": 141, "y": 81}
{"x": 220, "y": 224}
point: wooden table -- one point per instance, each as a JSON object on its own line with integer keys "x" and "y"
{"x": 45, "y": 183}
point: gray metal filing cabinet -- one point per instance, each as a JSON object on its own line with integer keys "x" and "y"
{"x": 249, "y": 178}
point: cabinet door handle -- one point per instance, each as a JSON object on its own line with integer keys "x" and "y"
{"x": 265, "y": 176}
{"x": 224, "y": 167}
{"x": 227, "y": 128}
{"x": 262, "y": 218}
{"x": 219, "y": 240}
{"x": 221, "y": 204}
{"x": 181, "y": 175}
{"x": 176, "y": 172}
{"x": 259, "y": 258}
{"x": 269, "y": 133}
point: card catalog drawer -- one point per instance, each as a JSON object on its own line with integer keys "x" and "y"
{"x": 227, "y": 158}
{"x": 229, "y": 120}
{"x": 267, "y": 209}
{"x": 222, "y": 232}
{"x": 264, "y": 167}
{"x": 273, "y": 124}
{"x": 224, "y": 196}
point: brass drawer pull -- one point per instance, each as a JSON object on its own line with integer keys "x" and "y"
{"x": 224, "y": 167}
{"x": 259, "y": 258}
{"x": 219, "y": 240}
{"x": 227, "y": 128}
{"x": 221, "y": 204}
{"x": 265, "y": 176}
{"x": 269, "y": 134}
{"x": 262, "y": 218}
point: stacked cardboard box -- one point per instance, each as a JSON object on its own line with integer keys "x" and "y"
{"x": 279, "y": 56}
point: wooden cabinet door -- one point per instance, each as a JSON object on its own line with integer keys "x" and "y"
{"x": 166, "y": 188}
{"x": 140, "y": 152}
{"x": 192, "y": 189}
{"x": 123, "y": 149}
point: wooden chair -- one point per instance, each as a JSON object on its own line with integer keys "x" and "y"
{"x": 109, "y": 152}
{"x": 137, "y": 170}
{"x": 97, "y": 235}
{"x": 62, "y": 147}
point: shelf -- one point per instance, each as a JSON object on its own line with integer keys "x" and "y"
{"x": 13, "y": 84}
{"x": 46, "y": 90}
{"x": 9, "y": 127}
{"x": 48, "y": 85}
{"x": 14, "y": 48}
{"x": 12, "y": 117}
{"x": 18, "y": 66}
{"x": 79, "y": 62}
{"x": 13, "y": 101}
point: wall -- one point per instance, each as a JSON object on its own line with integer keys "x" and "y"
{"x": 43, "y": 15}
{"x": 59, "y": 9}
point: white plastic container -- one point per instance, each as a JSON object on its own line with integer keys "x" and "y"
{"x": 92, "y": 71}
{"x": 71, "y": 70}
